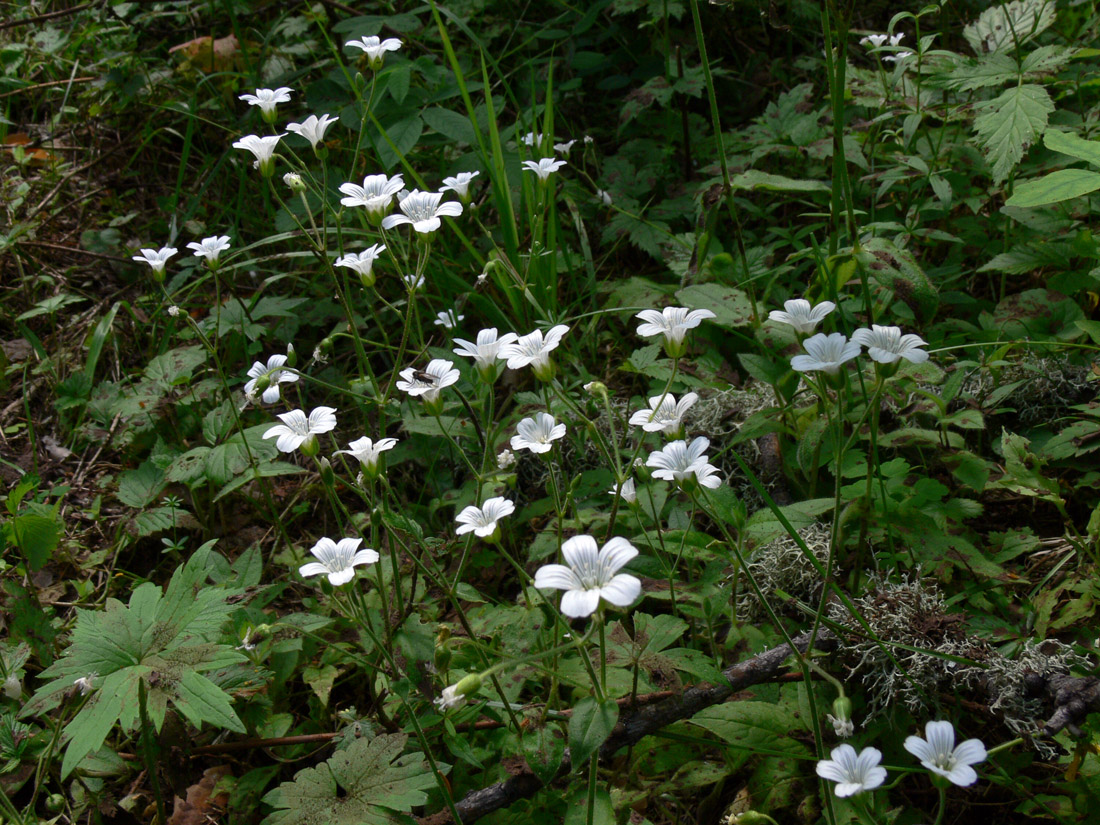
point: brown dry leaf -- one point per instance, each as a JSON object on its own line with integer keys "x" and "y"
{"x": 37, "y": 157}
{"x": 207, "y": 54}
{"x": 201, "y": 806}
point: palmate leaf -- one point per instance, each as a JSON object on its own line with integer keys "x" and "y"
{"x": 171, "y": 635}
{"x": 1010, "y": 124}
{"x": 369, "y": 783}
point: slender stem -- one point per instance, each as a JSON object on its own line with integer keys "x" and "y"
{"x": 147, "y": 751}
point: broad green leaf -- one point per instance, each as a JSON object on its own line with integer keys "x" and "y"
{"x": 37, "y": 536}
{"x": 139, "y": 488}
{"x": 1056, "y": 187}
{"x": 1072, "y": 145}
{"x": 589, "y": 727}
{"x": 761, "y": 727}
{"x": 451, "y": 125}
{"x": 159, "y": 519}
{"x": 369, "y": 783}
{"x": 1005, "y": 27}
{"x": 543, "y": 749}
{"x": 1010, "y": 123}
{"x": 731, "y": 307}
{"x": 403, "y": 136}
{"x": 755, "y": 179}
{"x": 175, "y": 366}
{"x": 189, "y": 467}
{"x": 603, "y": 812}
{"x": 764, "y": 525}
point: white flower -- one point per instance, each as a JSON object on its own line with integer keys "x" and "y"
{"x": 886, "y": 344}
{"x": 533, "y": 349}
{"x": 625, "y": 491}
{"x": 564, "y": 147}
{"x": 673, "y": 323}
{"x": 263, "y": 148}
{"x": 448, "y": 319}
{"x": 86, "y": 684}
{"x": 294, "y": 182}
{"x": 423, "y": 210}
{"x": 459, "y": 184}
{"x": 210, "y": 248}
{"x": 826, "y": 353}
{"x": 938, "y": 753}
{"x": 363, "y": 262}
{"x": 895, "y": 39}
{"x": 604, "y": 197}
{"x": 297, "y": 429}
{"x": 679, "y": 460}
{"x": 275, "y": 375}
{"x": 376, "y": 193}
{"x": 450, "y": 698}
{"x": 591, "y": 575}
{"x": 412, "y": 281}
{"x": 853, "y": 772}
{"x": 532, "y": 139}
{"x": 427, "y": 383}
{"x": 506, "y": 459}
{"x": 896, "y": 58}
{"x": 841, "y": 727}
{"x": 665, "y": 414}
{"x": 174, "y": 311}
{"x": 874, "y": 40}
{"x": 267, "y": 99}
{"x": 313, "y": 128}
{"x": 536, "y": 434}
{"x": 376, "y": 48}
{"x": 589, "y": 139}
{"x": 13, "y": 687}
{"x": 338, "y": 559}
{"x": 801, "y": 315}
{"x": 367, "y": 451}
{"x": 156, "y": 258}
{"x": 482, "y": 521}
{"x": 544, "y": 167}
{"x": 487, "y": 349}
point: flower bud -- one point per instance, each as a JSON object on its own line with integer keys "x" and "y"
{"x": 468, "y": 684}
{"x": 310, "y": 447}
{"x": 13, "y": 688}
{"x": 294, "y": 182}
{"x": 327, "y": 474}
{"x": 55, "y": 803}
{"x": 291, "y": 356}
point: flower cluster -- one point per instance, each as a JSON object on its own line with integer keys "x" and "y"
{"x": 855, "y": 772}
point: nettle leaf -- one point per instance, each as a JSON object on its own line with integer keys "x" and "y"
{"x": 993, "y": 70}
{"x": 369, "y": 783}
{"x": 1004, "y": 28}
{"x": 175, "y": 366}
{"x": 1010, "y": 124}
{"x": 170, "y": 636}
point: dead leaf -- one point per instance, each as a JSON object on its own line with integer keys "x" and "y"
{"x": 201, "y": 805}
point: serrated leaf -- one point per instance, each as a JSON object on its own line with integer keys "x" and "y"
{"x": 589, "y": 726}
{"x": 1008, "y": 26}
{"x": 1063, "y": 185}
{"x": 159, "y": 519}
{"x": 369, "y": 783}
{"x": 200, "y": 700}
{"x": 1010, "y": 124}
{"x": 175, "y": 366}
{"x": 993, "y": 70}
{"x": 36, "y": 536}
{"x": 1024, "y": 258}
{"x": 140, "y": 487}
{"x": 189, "y": 467}
{"x": 755, "y": 726}
{"x": 897, "y": 269}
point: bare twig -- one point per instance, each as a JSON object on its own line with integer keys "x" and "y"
{"x": 50, "y": 15}
{"x": 47, "y": 84}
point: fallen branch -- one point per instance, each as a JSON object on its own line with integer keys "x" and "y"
{"x": 635, "y": 726}
{"x": 1073, "y": 697}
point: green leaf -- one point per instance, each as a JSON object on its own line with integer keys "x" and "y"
{"x": 36, "y": 536}
{"x": 755, "y": 179}
{"x": 140, "y": 487}
{"x": 755, "y": 726}
{"x": 1008, "y": 26}
{"x": 1074, "y": 146}
{"x": 403, "y": 136}
{"x": 896, "y": 269}
{"x": 159, "y": 519}
{"x": 453, "y": 126}
{"x": 175, "y": 366}
{"x": 543, "y": 749}
{"x": 200, "y": 700}
{"x": 1056, "y": 187}
{"x": 764, "y": 525}
{"x": 732, "y": 307}
{"x": 189, "y": 467}
{"x": 369, "y": 783}
{"x": 1011, "y": 123}
{"x": 589, "y": 727}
